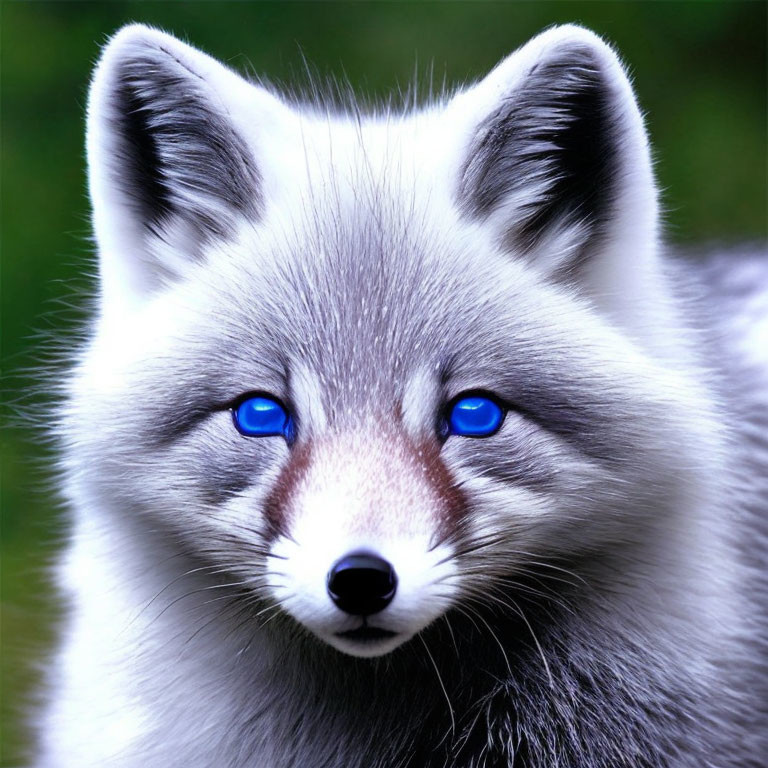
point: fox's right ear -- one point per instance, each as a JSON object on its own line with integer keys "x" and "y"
{"x": 555, "y": 160}
{"x": 172, "y": 164}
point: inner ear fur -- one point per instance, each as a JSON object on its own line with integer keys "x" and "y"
{"x": 548, "y": 160}
{"x": 176, "y": 155}
{"x": 173, "y": 152}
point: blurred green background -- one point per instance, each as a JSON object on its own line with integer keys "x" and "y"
{"x": 699, "y": 70}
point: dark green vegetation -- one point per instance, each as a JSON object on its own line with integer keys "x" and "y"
{"x": 699, "y": 70}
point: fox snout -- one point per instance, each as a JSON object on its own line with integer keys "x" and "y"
{"x": 358, "y": 521}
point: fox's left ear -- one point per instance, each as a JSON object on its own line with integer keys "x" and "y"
{"x": 554, "y": 154}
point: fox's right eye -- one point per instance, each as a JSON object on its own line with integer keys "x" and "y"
{"x": 263, "y": 416}
{"x": 474, "y": 415}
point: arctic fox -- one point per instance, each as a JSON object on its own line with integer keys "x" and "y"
{"x": 397, "y": 442}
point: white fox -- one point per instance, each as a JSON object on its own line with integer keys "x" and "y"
{"x": 397, "y": 440}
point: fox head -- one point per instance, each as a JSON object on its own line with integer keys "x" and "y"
{"x": 379, "y": 366}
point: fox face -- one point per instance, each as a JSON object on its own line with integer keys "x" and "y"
{"x": 374, "y": 369}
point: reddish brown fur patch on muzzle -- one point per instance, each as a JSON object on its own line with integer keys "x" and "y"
{"x": 279, "y": 500}
{"x": 453, "y": 503}
{"x": 420, "y": 458}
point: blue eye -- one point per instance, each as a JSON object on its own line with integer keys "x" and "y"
{"x": 475, "y": 416}
{"x": 261, "y": 416}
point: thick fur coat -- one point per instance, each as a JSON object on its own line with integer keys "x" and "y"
{"x": 584, "y": 588}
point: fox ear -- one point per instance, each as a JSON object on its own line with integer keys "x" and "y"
{"x": 170, "y": 164}
{"x": 555, "y": 157}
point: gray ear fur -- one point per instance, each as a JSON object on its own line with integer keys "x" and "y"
{"x": 170, "y": 168}
{"x": 559, "y": 150}
{"x": 175, "y": 153}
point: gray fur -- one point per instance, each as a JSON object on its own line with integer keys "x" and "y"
{"x": 177, "y": 159}
{"x": 560, "y": 130}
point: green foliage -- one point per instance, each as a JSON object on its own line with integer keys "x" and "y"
{"x": 699, "y": 70}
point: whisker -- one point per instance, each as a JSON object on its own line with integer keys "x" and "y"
{"x": 538, "y": 645}
{"x": 442, "y": 685}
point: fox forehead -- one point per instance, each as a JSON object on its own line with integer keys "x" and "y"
{"x": 366, "y": 296}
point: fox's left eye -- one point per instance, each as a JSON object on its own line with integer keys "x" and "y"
{"x": 263, "y": 416}
{"x": 475, "y": 416}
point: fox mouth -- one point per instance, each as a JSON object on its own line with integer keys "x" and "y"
{"x": 366, "y": 634}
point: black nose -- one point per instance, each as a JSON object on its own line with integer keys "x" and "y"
{"x": 362, "y": 584}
